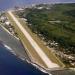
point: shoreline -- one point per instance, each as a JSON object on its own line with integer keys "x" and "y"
{"x": 25, "y": 59}
{"x": 41, "y": 68}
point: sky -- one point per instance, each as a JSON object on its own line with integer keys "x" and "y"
{"x": 5, "y": 4}
{"x": 44, "y": 1}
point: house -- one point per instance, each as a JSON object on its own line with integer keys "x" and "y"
{"x": 7, "y": 23}
{"x": 3, "y": 18}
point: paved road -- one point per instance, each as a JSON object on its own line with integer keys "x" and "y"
{"x": 39, "y": 51}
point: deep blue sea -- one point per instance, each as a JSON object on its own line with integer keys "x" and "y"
{"x": 12, "y": 65}
{"x": 6, "y": 4}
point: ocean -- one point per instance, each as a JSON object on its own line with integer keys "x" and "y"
{"x": 12, "y": 65}
{"x": 11, "y": 54}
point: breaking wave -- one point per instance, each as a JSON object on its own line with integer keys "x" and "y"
{"x": 6, "y": 46}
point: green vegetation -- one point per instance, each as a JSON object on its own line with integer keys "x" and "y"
{"x": 56, "y": 23}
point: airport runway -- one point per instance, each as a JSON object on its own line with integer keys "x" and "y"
{"x": 39, "y": 50}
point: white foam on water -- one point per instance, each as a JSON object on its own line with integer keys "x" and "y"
{"x": 9, "y": 48}
{"x": 6, "y": 46}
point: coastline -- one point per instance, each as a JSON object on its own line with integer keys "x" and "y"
{"x": 15, "y": 45}
{"x": 22, "y": 58}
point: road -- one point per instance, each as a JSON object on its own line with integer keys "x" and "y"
{"x": 39, "y": 51}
